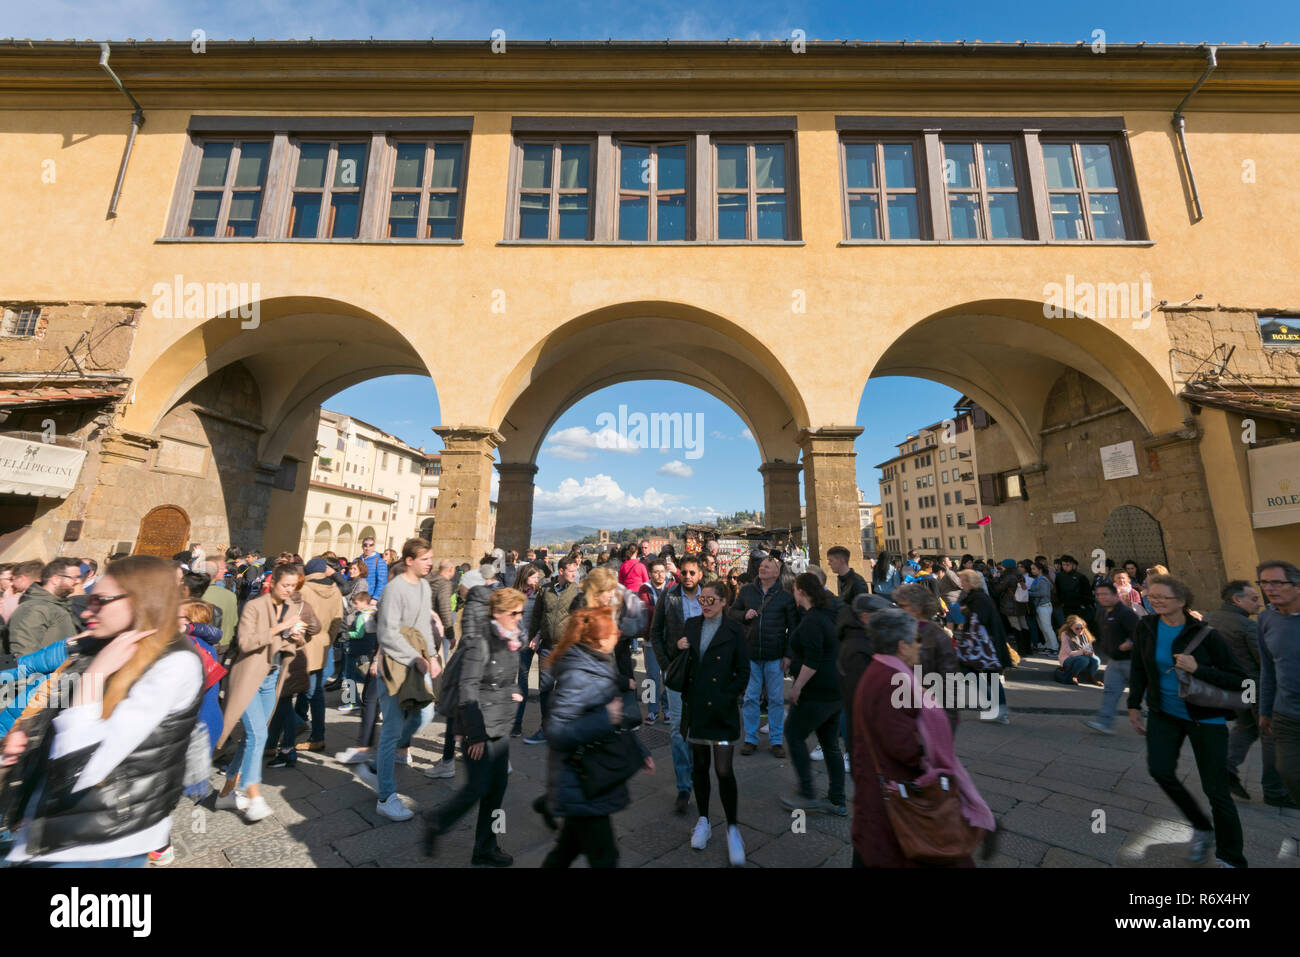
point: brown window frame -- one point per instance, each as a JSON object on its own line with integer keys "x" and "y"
{"x": 228, "y": 188}
{"x": 328, "y": 189}
{"x": 652, "y": 192}
{"x": 553, "y": 191}
{"x": 383, "y": 215}
{"x": 1083, "y": 192}
{"x": 882, "y": 190}
{"x": 791, "y": 193}
{"x": 981, "y": 189}
{"x": 24, "y": 322}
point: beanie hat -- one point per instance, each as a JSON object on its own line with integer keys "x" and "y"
{"x": 316, "y": 566}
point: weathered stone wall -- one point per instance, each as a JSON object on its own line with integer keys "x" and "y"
{"x": 1170, "y": 485}
{"x": 1010, "y": 529}
{"x": 110, "y": 329}
{"x": 201, "y": 458}
{"x": 1200, "y": 331}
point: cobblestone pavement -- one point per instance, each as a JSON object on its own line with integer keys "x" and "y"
{"x": 1045, "y": 776}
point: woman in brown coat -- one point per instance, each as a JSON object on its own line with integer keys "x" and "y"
{"x": 272, "y": 628}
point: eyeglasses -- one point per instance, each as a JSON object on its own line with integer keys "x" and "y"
{"x": 709, "y": 601}
{"x": 519, "y": 612}
{"x": 96, "y": 602}
{"x": 1274, "y": 582}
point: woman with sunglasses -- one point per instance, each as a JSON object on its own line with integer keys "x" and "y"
{"x": 1159, "y": 652}
{"x": 102, "y": 766}
{"x": 716, "y": 677}
{"x": 272, "y": 628}
{"x": 488, "y": 696}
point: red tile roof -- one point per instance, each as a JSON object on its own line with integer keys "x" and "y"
{"x": 1270, "y": 402}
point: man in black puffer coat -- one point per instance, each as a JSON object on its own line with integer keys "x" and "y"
{"x": 767, "y": 613}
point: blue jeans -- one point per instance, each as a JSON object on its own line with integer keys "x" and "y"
{"x": 1117, "y": 675}
{"x": 658, "y": 693}
{"x": 248, "y": 759}
{"x": 284, "y": 727}
{"x": 765, "y": 673}
{"x": 683, "y": 762}
{"x": 313, "y": 699}
{"x": 396, "y": 732}
{"x": 1082, "y": 666}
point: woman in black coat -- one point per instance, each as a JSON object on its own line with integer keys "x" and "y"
{"x": 587, "y": 708}
{"x": 716, "y": 679}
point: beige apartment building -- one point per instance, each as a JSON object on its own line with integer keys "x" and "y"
{"x": 365, "y": 483}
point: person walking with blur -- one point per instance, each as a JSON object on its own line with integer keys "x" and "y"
{"x": 92, "y": 782}
{"x": 528, "y": 581}
{"x": 884, "y": 576}
{"x": 486, "y": 699}
{"x": 650, "y": 592}
{"x": 43, "y": 615}
{"x": 1117, "y": 626}
{"x": 1279, "y": 657}
{"x": 938, "y": 656}
{"x": 1160, "y": 649}
{"x": 550, "y": 613}
{"x": 587, "y": 711}
{"x": 815, "y": 705}
{"x": 676, "y": 606}
{"x": 716, "y": 675}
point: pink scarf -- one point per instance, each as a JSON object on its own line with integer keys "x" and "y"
{"x": 939, "y": 756}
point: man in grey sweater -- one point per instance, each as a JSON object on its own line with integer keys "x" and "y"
{"x": 407, "y": 603}
{"x": 1279, "y": 652}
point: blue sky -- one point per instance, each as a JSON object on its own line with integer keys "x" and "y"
{"x": 578, "y": 483}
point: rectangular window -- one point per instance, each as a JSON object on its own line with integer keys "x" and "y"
{"x": 882, "y": 198}
{"x": 961, "y": 519}
{"x": 945, "y": 477}
{"x": 982, "y": 183}
{"x": 654, "y": 201}
{"x": 943, "y": 455}
{"x": 21, "y": 323}
{"x": 555, "y": 189}
{"x": 227, "y": 198}
{"x": 750, "y": 197}
{"x": 904, "y": 485}
{"x": 1081, "y": 177}
{"x": 424, "y": 200}
{"x": 383, "y": 460}
{"x": 325, "y": 509}
{"x": 327, "y": 190}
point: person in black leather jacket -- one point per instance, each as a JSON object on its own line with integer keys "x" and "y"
{"x": 488, "y": 696}
{"x": 767, "y": 613}
{"x": 127, "y": 702}
{"x": 588, "y": 706}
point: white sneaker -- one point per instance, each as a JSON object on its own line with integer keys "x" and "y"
{"x": 700, "y": 836}
{"x": 353, "y": 756}
{"x": 393, "y": 809}
{"x": 348, "y": 708}
{"x": 234, "y": 801}
{"x": 846, "y": 764}
{"x": 368, "y": 777}
{"x": 763, "y": 730}
{"x": 257, "y": 809}
{"x": 817, "y": 754}
{"x": 735, "y": 847}
{"x": 442, "y": 769}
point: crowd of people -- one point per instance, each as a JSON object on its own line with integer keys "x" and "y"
{"x": 128, "y": 674}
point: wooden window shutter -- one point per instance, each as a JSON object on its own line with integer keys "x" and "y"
{"x": 989, "y": 490}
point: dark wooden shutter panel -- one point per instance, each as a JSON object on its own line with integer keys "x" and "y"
{"x": 989, "y": 490}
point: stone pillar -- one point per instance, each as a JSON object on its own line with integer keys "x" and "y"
{"x": 515, "y": 505}
{"x": 462, "y": 517}
{"x": 781, "y": 494}
{"x": 831, "y": 487}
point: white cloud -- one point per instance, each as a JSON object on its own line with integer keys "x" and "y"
{"x": 679, "y": 469}
{"x": 580, "y": 444}
{"x": 747, "y": 435}
{"x": 718, "y": 435}
{"x": 599, "y": 500}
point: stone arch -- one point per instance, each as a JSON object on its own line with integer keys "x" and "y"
{"x": 1007, "y": 356}
{"x": 343, "y": 541}
{"x": 321, "y": 540}
{"x": 369, "y": 532}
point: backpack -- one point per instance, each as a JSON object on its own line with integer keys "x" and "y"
{"x": 474, "y": 625}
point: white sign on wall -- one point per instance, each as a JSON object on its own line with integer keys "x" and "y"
{"x": 1275, "y": 484}
{"x": 1118, "y": 461}
{"x": 1063, "y": 518}
{"x": 38, "y": 468}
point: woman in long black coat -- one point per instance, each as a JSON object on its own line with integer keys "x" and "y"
{"x": 717, "y": 676}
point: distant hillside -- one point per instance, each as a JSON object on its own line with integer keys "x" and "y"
{"x": 568, "y": 533}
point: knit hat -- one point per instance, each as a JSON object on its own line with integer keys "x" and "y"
{"x": 869, "y": 604}
{"x": 1008, "y": 563}
{"x": 316, "y": 566}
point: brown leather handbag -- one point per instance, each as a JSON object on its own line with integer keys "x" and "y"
{"x": 927, "y": 820}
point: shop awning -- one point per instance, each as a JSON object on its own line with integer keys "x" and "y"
{"x": 38, "y": 468}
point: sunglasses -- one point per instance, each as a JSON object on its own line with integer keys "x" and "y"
{"x": 520, "y": 613}
{"x": 96, "y": 602}
{"x": 709, "y": 601}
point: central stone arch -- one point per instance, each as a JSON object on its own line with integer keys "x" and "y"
{"x": 631, "y": 341}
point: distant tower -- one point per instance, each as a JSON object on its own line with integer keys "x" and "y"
{"x": 604, "y": 536}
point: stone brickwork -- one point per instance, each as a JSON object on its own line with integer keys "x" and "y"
{"x": 781, "y": 494}
{"x": 463, "y": 518}
{"x": 1200, "y": 331}
{"x": 108, "y": 329}
{"x": 1170, "y": 485}
{"x": 831, "y": 487}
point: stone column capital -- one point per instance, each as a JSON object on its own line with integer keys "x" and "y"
{"x": 792, "y": 469}
{"x": 464, "y": 437}
{"x": 516, "y": 471}
{"x": 809, "y": 439}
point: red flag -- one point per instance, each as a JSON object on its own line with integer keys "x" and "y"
{"x": 984, "y": 521}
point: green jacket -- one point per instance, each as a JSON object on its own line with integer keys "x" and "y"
{"x": 39, "y": 620}
{"x": 551, "y": 612}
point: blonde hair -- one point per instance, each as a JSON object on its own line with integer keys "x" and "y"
{"x": 199, "y": 612}
{"x": 506, "y": 599}
{"x": 597, "y": 582}
{"x": 1067, "y": 633}
{"x": 970, "y": 578}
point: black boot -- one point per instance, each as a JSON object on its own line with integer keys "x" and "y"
{"x": 540, "y": 806}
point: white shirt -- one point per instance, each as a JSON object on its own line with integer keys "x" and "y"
{"x": 171, "y": 684}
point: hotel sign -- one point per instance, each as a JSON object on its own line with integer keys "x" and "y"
{"x": 1275, "y": 484}
{"x": 38, "y": 468}
{"x": 1280, "y": 332}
